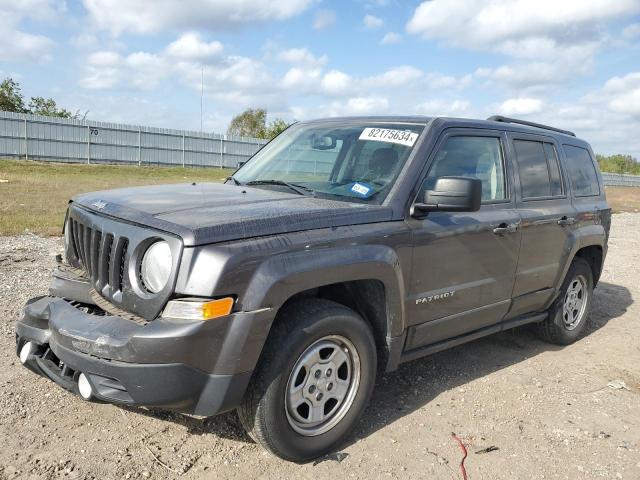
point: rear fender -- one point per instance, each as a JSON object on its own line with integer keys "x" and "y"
{"x": 586, "y": 236}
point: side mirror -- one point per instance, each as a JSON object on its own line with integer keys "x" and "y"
{"x": 450, "y": 194}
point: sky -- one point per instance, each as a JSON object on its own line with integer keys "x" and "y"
{"x": 574, "y": 64}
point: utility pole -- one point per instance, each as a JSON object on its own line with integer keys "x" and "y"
{"x": 201, "y": 95}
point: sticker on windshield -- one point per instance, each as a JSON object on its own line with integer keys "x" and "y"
{"x": 360, "y": 189}
{"x": 402, "y": 137}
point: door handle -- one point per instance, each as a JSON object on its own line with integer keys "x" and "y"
{"x": 506, "y": 228}
{"x": 566, "y": 221}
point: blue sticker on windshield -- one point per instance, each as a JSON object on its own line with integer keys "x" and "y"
{"x": 361, "y": 189}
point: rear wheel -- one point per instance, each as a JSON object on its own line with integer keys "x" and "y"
{"x": 569, "y": 314}
{"x": 313, "y": 382}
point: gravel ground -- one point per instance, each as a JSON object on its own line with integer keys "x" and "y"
{"x": 550, "y": 412}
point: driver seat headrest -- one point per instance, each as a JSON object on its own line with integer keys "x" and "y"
{"x": 383, "y": 161}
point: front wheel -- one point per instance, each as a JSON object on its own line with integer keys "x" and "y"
{"x": 313, "y": 382}
{"x": 568, "y": 315}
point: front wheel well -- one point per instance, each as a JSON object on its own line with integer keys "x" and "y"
{"x": 593, "y": 255}
{"x": 366, "y": 297}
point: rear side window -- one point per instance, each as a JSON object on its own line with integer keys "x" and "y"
{"x": 538, "y": 169}
{"x": 582, "y": 173}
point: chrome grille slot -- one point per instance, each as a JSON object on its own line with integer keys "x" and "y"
{"x": 104, "y": 262}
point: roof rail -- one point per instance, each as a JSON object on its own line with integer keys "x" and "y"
{"x": 500, "y": 118}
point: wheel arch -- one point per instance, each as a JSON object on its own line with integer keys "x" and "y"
{"x": 365, "y": 278}
{"x": 589, "y": 245}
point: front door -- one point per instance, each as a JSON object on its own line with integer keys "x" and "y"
{"x": 464, "y": 264}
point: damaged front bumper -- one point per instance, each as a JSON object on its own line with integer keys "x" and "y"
{"x": 201, "y": 368}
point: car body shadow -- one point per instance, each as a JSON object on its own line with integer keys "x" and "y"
{"x": 418, "y": 382}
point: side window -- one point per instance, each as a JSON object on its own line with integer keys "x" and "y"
{"x": 538, "y": 169}
{"x": 532, "y": 168}
{"x": 475, "y": 157}
{"x": 554, "y": 170}
{"x": 582, "y": 173}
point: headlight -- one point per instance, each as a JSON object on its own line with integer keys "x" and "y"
{"x": 156, "y": 266}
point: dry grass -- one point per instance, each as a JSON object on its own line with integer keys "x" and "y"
{"x": 624, "y": 199}
{"x": 35, "y": 197}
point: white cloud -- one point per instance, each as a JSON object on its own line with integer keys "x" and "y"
{"x": 623, "y": 94}
{"x": 391, "y": 37}
{"x": 607, "y": 117}
{"x": 301, "y": 79}
{"x": 371, "y": 21}
{"x": 365, "y": 106}
{"x": 395, "y": 77}
{"x": 520, "y": 106}
{"x": 551, "y": 41}
{"x": 362, "y": 105}
{"x": 301, "y": 56}
{"x": 443, "y": 108}
{"x": 336, "y": 82}
{"x": 151, "y": 16}
{"x": 191, "y": 47}
{"x": 139, "y": 70}
{"x": 631, "y": 31}
{"x": 324, "y": 19}
{"x": 18, "y": 44}
{"x": 480, "y": 23}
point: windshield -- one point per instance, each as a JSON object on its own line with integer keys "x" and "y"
{"x": 350, "y": 161}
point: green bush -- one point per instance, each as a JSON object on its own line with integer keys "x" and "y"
{"x": 619, "y": 164}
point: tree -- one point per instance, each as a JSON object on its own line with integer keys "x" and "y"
{"x": 11, "y": 99}
{"x": 253, "y": 123}
{"x": 619, "y": 164}
{"x": 47, "y": 107}
{"x": 250, "y": 123}
{"x": 275, "y": 128}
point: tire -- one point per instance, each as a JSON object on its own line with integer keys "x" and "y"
{"x": 310, "y": 337}
{"x": 562, "y": 327}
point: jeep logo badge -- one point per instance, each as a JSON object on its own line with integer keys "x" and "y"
{"x": 99, "y": 204}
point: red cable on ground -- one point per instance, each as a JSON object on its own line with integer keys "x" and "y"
{"x": 464, "y": 453}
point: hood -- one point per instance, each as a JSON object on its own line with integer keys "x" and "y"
{"x": 214, "y": 212}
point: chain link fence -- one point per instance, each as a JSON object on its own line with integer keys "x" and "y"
{"x": 83, "y": 141}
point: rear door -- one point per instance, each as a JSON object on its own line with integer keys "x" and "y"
{"x": 463, "y": 272}
{"x": 547, "y": 219}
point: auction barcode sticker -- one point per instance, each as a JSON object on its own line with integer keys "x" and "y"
{"x": 403, "y": 137}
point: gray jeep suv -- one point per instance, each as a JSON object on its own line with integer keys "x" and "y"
{"x": 341, "y": 249}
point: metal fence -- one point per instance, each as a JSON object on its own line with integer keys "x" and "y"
{"x": 84, "y": 141}
{"x": 621, "y": 180}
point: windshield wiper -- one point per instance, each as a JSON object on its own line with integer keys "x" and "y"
{"x": 299, "y": 189}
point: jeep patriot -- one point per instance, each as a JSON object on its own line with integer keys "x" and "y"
{"x": 341, "y": 249}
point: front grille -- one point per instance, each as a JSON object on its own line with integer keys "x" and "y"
{"x": 106, "y": 250}
{"x": 102, "y": 256}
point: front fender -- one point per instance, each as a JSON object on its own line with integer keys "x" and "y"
{"x": 280, "y": 277}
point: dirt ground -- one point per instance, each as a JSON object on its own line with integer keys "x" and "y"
{"x": 550, "y": 412}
